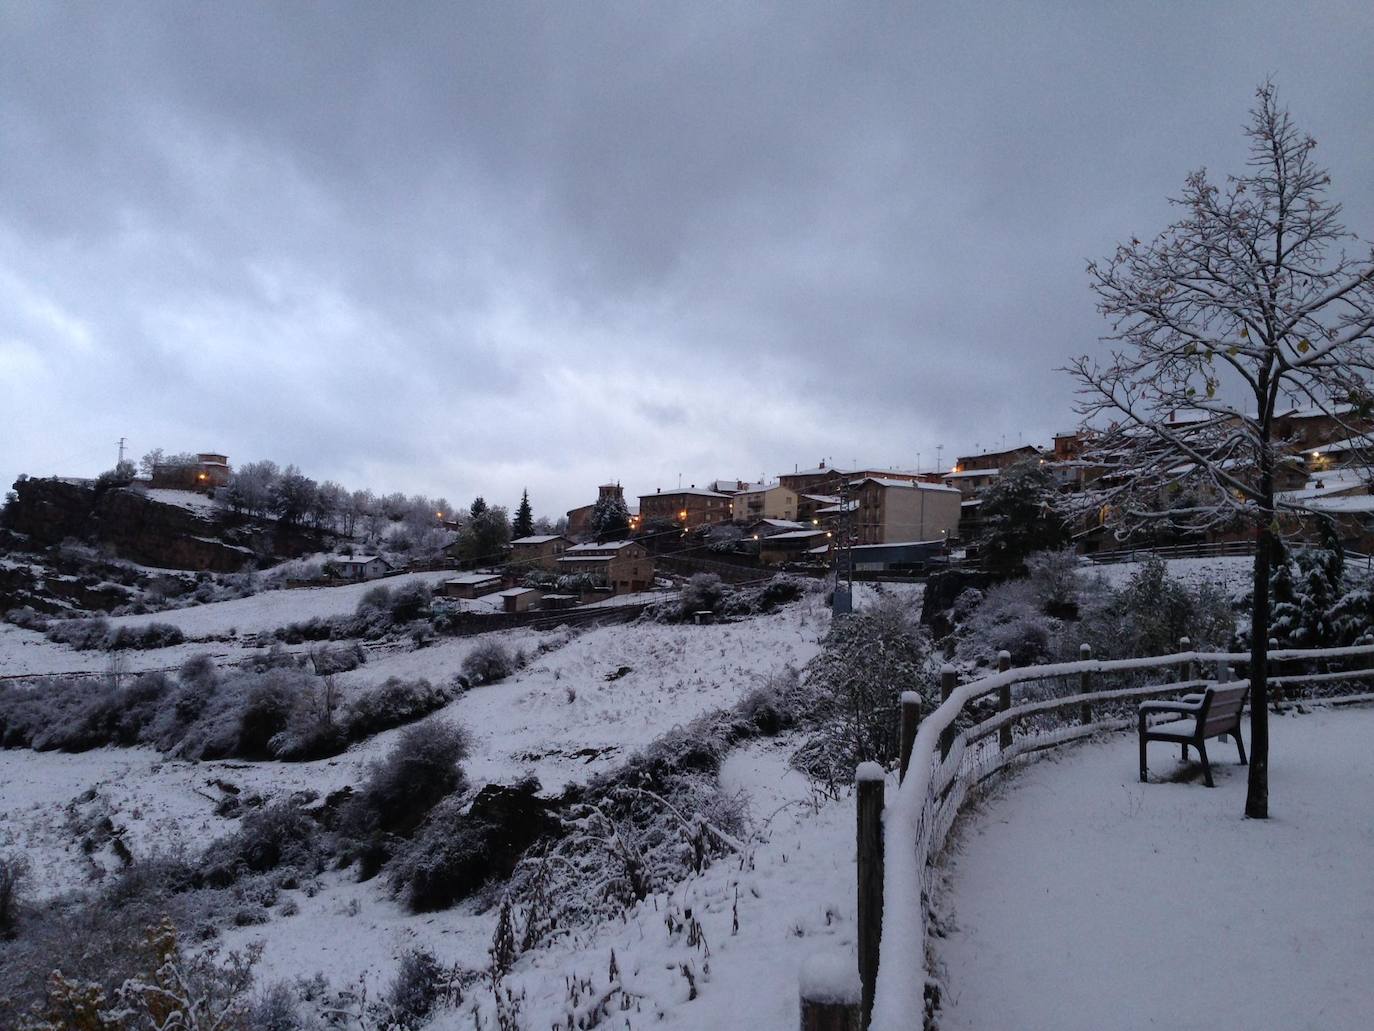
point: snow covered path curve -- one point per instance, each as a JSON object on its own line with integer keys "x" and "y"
{"x": 1079, "y": 898}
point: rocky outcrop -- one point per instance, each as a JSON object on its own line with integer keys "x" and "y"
{"x": 135, "y": 526}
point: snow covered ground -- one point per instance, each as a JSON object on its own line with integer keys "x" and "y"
{"x": 272, "y": 609}
{"x": 1232, "y": 572}
{"x": 1080, "y": 898}
{"x": 201, "y": 505}
{"x": 29, "y": 653}
{"x": 793, "y": 899}
{"x": 559, "y": 718}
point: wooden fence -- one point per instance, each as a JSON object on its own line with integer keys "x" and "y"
{"x": 978, "y": 730}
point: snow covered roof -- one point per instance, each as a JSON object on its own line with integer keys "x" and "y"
{"x": 577, "y": 549}
{"x": 539, "y": 538}
{"x": 699, "y": 492}
{"x": 782, "y": 524}
{"x": 904, "y": 484}
{"x": 473, "y": 578}
{"x": 759, "y": 488}
{"x": 1345, "y": 503}
{"x": 825, "y": 499}
{"x": 897, "y": 544}
{"x": 354, "y": 560}
{"x": 515, "y": 592}
{"x": 1334, "y": 482}
{"x": 973, "y": 472}
{"x": 1355, "y": 443}
{"x": 796, "y": 535}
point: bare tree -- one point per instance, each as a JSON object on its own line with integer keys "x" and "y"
{"x": 1253, "y": 291}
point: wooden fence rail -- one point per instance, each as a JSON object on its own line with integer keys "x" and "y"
{"x": 959, "y": 745}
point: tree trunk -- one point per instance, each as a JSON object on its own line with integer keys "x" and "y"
{"x": 1257, "y": 794}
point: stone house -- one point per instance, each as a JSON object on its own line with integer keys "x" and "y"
{"x": 625, "y": 566}
{"x": 541, "y": 551}
{"x": 688, "y": 508}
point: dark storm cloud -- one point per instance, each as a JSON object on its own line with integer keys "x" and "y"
{"x": 463, "y": 249}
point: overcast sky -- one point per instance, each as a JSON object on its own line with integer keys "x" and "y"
{"x": 469, "y": 248}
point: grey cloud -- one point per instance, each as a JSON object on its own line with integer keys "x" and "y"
{"x": 472, "y": 248}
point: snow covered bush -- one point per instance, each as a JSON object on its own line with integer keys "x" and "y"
{"x": 1056, "y": 578}
{"x": 411, "y": 601}
{"x": 1010, "y": 618}
{"x": 342, "y": 658}
{"x": 414, "y": 993}
{"x": 703, "y": 592}
{"x": 280, "y": 835}
{"x": 489, "y": 662}
{"x": 866, "y": 661}
{"x": 393, "y": 703}
{"x": 401, "y": 789}
{"x": 779, "y": 703}
{"x": 26, "y": 617}
{"x": 14, "y": 870}
{"x": 1314, "y": 606}
{"x": 88, "y": 634}
{"x": 1148, "y": 614}
{"x": 81, "y": 634}
{"x": 458, "y": 851}
{"x": 278, "y": 712}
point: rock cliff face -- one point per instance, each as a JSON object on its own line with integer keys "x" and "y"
{"x": 143, "y": 530}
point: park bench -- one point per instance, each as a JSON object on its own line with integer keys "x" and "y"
{"x": 1214, "y": 713}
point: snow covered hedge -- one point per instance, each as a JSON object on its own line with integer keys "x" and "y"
{"x": 203, "y": 713}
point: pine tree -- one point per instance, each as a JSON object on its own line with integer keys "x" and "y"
{"x": 610, "y": 516}
{"x": 1020, "y": 517}
{"x": 478, "y": 506}
{"x": 524, "y": 518}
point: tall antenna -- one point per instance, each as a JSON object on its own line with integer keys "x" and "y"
{"x": 121, "y": 451}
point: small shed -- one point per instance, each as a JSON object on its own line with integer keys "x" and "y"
{"x": 559, "y": 601}
{"x": 472, "y": 585}
{"x": 521, "y": 599}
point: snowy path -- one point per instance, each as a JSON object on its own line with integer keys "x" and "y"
{"x": 1082, "y": 899}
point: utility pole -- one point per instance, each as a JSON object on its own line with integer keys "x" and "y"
{"x": 842, "y": 600}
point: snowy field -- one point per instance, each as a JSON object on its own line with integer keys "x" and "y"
{"x": 1080, "y": 898}
{"x": 559, "y": 718}
{"x": 29, "y": 653}
{"x": 272, "y": 609}
{"x": 1231, "y": 572}
{"x": 793, "y": 899}
{"x": 585, "y": 702}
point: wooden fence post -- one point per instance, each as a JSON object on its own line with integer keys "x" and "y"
{"x": 1085, "y": 685}
{"x": 911, "y": 717}
{"x": 868, "y": 780}
{"x": 1185, "y": 668}
{"x": 949, "y": 679}
{"x": 1004, "y": 700}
